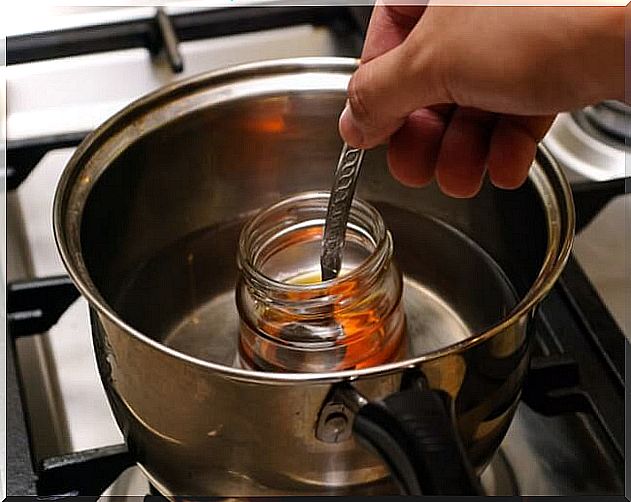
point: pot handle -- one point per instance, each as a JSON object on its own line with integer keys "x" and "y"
{"x": 414, "y": 432}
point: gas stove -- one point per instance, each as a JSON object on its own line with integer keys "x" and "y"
{"x": 568, "y": 434}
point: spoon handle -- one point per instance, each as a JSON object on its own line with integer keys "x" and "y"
{"x": 338, "y": 210}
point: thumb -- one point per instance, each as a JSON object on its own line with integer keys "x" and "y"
{"x": 383, "y": 92}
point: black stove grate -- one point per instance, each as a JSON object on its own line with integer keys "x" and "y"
{"x": 152, "y": 32}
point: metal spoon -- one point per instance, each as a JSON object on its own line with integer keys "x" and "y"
{"x": 342, "y": 192}
{"x": 339, "y": 208}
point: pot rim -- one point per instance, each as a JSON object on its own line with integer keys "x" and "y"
{"x": 69, "y": 248}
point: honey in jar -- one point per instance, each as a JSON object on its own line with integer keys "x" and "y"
{"x": 292, "y": 321}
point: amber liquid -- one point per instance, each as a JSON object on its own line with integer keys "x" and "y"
{"x": 352, "y": 339}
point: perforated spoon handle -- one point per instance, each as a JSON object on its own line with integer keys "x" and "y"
{"x": 338, "y": 210}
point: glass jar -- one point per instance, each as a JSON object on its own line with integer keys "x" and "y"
{"x": 293, "y": 322}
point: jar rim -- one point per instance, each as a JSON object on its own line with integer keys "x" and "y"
{"x": 368, "y": 267}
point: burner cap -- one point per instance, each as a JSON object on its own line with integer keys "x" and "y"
{"x": 609, "y": 120}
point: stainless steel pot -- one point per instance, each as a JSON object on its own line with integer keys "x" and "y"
{"x": 147, "y": 216}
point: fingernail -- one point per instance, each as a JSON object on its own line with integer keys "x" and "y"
{"x": 349, "y": 129}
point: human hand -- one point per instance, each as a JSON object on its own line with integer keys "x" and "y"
{"x": 457, "y": 91}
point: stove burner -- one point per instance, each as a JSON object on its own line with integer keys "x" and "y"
{"x": 609, "y": 122}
